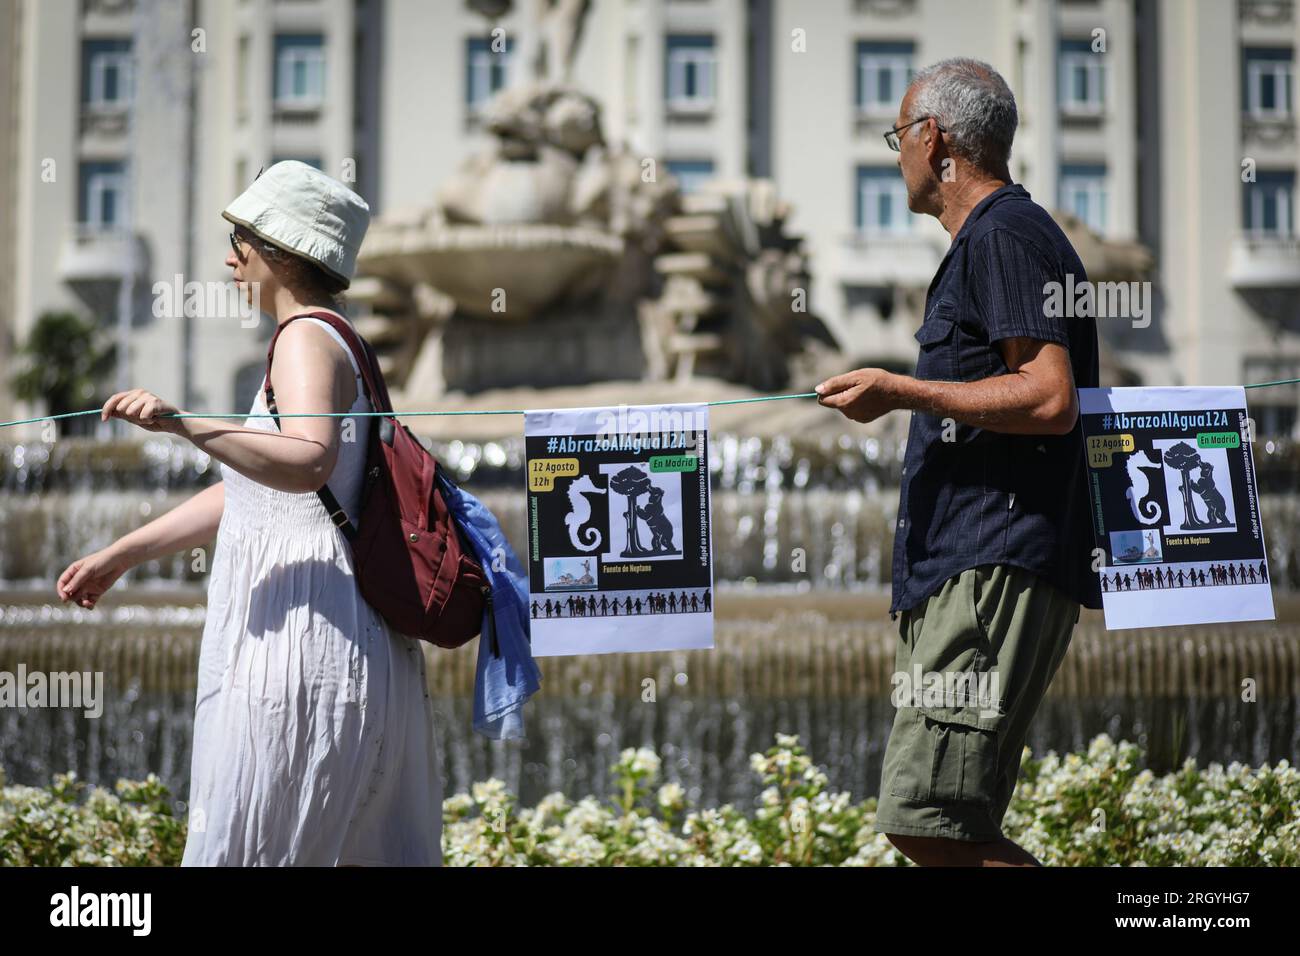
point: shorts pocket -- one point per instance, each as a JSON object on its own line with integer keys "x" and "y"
{"x": 942, "y": 761}
{"x": 943, "y": 748}
{"x": 952, "y": 666}
{"x": 965, "y": 762}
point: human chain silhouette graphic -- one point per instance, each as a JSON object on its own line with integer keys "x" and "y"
{"x": 661, "y": 602}
{"x": 1220, "y": 574}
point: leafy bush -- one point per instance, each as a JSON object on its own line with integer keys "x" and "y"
{"x": 1093, "y": 809}
{"x": 1102, "y": 809}
{"x": 69, "y": 824}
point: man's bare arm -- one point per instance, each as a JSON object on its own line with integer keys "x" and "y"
{"x": 1035, "y": 397}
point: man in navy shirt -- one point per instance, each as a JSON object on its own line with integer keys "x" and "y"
{"x": 993, "y": 545}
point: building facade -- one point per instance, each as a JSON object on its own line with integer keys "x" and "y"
{"x": 1170, "y": 123}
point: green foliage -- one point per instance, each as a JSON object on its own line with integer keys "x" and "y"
{"x": 62, "y": 364}
{"x": 70, "y": 824}
{"x": 1102, "y": 809}
{"x": 1094, "y": 809}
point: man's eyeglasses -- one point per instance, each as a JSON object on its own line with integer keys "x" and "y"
{"x": 891, "y": 136}
{"x": 234, "y": 244}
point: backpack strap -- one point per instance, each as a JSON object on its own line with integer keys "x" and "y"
{"x": 365, "y": 358}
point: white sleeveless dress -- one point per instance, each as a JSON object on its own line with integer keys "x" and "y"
{"x": 313, "y": 735}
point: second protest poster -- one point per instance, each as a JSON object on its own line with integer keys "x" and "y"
{"x": 1175, "y": 506}
{"x": 619, "y": 544}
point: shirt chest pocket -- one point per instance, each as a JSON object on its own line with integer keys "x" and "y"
{"x": 938, "y": 339}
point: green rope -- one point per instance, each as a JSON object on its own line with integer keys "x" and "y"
{"x": 506, "y": 411}
{"x": 1285, "y": 381}
{"x": 503, "y": 411}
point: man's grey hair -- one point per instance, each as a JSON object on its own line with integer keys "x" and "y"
{"x": 973, "y": 104}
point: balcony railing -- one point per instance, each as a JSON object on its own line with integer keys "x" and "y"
{"x": 1265, "y": 262}
{"x": 887, "y": 258}
{"x": 690, "y": 107}
{"x": 884, "y": 8}
{"x": 1268, "y": 130}
{"x": 1267, "y": 12}
{"x": 107, "y": 7}
{"x": 298, "y": 111}
{"x": 105, "y": 118}
{"x": 93, "y": 253}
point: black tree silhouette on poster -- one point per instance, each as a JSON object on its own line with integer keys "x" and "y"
{"x": 632, "y": 483}
{"x": 1186, "y": 459}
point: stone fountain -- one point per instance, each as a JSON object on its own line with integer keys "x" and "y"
{"x": 556, "y": 242}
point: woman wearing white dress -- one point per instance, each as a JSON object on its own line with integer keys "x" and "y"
{"x": 313, "y": 738}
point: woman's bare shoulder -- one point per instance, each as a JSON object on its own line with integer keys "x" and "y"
{"x": 306, "y": 346}
{"x": 317, "y": 320}
{"x": 305, "y": 333}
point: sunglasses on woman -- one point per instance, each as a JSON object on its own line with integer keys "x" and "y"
{"x": 268, "y": 252}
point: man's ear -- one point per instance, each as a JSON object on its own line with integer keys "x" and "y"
{"x": 935, "y": 151}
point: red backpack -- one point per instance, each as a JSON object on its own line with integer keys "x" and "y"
{"x": 413, "y": 563}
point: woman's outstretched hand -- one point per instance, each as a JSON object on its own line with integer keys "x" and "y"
{"x": 86, "y": 579}
{"x": 143, "y": 408}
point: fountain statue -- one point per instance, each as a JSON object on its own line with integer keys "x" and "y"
{"x": 549, "y": 48}
{"x": 555, "y": 257}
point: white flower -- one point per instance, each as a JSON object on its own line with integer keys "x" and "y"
{"x": 745, "y": 850}
{"x": 646, "y": 761}
{"x": 671, "y": 796}
{"x": 488, "y": 790}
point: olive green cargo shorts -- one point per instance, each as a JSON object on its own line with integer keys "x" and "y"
{"x": 994, "y": 636}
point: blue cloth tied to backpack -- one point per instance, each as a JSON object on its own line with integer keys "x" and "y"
{"x": 506, "y": 675}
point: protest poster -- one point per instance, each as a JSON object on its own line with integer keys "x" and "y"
{"x": 619, "y": 545}
{"x": 1175, "y": 508}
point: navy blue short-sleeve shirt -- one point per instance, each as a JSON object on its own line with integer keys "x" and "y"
{"x": 971, "y": 496}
